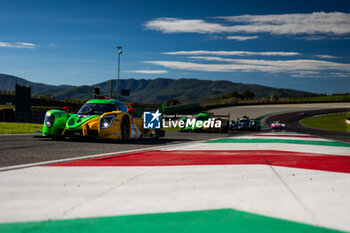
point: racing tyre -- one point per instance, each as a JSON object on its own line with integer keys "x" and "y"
{"x": 125, "y": 129}
{"x": 224, "y": 129}
{"x": 157, "y": 134}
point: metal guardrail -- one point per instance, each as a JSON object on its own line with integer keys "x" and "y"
{"x": 222, "y": 116}
{"x": 9, "y": 115}
{"x": 184, "y": 108}
{"x": 30, "y": 117}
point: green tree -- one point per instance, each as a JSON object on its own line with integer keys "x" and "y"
{"x": 172, "y": 102}
{"x": 275, "y": 97}
{"x": 77, "y": 101}
{"x": 248, "y": 95}
{"x": 42, "y": 97}
{"x": 237, "y": 95}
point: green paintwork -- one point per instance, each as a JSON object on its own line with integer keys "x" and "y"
{"x": 288, "y": 141}
{"x": 224, "y": 220}
{"x": 61, "y": 118}
{"x": 75, "y": 121}
{"x": 189, "y": 128}
{"x": 72, "y": 122}
{"x": 102, "y": 101}
{"x": 204, "y": 114}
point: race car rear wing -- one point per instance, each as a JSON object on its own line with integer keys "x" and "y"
{"x": 220, "y": 116}
{"x": 255, "y": 120}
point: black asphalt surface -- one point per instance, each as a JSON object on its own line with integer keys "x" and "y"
{"x": 16, "y": 149}
{"x": 292, "y": 124}
{"x": 26, "y": 149}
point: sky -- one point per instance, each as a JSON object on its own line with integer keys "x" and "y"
{"x": 303, "y": 45}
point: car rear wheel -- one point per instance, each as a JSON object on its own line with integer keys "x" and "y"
{"x": 225, "y": 128}
{"x": 125, "y": 129}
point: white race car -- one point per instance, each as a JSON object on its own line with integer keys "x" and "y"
{"x": 278, "y": 125}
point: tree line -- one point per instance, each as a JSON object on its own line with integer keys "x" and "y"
{"x": 247, "y": 94}
{"x": 44, "y": 98}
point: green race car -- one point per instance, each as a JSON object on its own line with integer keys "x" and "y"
{"x": 204, "y": 122}
{"x": 102, "y": 118}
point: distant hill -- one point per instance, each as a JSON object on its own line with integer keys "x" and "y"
{"x": 8, "y": 82}
{"x": 152, "y": 90}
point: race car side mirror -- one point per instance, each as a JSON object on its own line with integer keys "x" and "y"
{"x": 67, "y": 109}
{"x": 131, "y": 110}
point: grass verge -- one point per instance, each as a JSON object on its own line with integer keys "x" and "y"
{"x": 19, "y": 128}
{"x": 332, "y": 122}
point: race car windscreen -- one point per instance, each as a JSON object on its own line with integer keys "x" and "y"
{"x": 244, "y": 121}
{"x": 96, "y": 109}
{"x": 202, "y": 118}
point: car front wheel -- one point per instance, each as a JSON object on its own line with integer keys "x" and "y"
{"x": 125, "y": 129}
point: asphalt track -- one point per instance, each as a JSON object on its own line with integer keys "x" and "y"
{"x": 17, "y": 149}
{"x": 272, "y": 181}
{"x": 254, "y": 111}
{"x": 292, "y": 121}
{"x": 27, "y": 149}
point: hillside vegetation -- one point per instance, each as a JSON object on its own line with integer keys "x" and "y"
{"x": 151, "y": 91}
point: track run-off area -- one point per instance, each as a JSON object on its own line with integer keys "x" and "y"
{"x": 267, "y": 181}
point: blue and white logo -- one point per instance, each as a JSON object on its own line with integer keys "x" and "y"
{"x": 151, "y": 120}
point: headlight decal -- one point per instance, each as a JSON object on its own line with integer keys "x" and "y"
{"x": 49, "y": 120}
{"x": 106, "y": 121}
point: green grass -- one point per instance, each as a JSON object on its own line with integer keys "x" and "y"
{"x": 332, "y": 122}
{"x": 7, "y": 106}
{"x": 19, "y": 128}
{"x": 33, "y": 108}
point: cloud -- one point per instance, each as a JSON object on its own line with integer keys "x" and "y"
{"x": 175, "y": 25}
{"x": 334, "y": 23}
{"x": 242, "y": 38}
{"x": 314, "y": 23}
{"x": 325, "y": 56}
{"x": 304, "y": 74}
{"x": 305, "y": 67}
{"x": 339, "y": 75}
{"x": 232, "y": 53}
{"x": 147, "y": 71}
{"x": 22, "y": 45}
